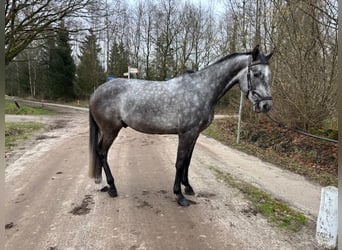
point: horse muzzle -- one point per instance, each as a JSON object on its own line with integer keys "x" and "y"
{"x": 264, "y": 105}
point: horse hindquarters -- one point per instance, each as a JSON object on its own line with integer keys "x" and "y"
{"x": 98, "y": 154}
{"x": 95, "y": 168}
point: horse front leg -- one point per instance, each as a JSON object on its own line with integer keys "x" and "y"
{"x": 185, "y": 180}
{"x": 185, "y": 147}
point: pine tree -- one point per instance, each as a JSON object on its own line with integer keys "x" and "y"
{"x": 46, "y": 82}
{"x": 119, "y": 60}
{"x": 67, "y": 69}
{"x": 17, "y": 77}
{"x": 60, "y": 70}
{"x": 164, "y": 61}
{"x": 62, "y": 67}
{"x": 90, "y": 73}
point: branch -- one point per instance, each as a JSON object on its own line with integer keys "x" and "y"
{"x": 27, "y": 20}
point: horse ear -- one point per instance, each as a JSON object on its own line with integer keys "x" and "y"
{"x": 255, "y": 52}
{"x": 270, "y": 54}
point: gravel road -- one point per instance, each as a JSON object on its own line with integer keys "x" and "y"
{"x": 52, "y": 204}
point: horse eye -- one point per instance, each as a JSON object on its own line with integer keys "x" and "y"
{"x": 256, "y": 74}
{"x": 255, "y": 94}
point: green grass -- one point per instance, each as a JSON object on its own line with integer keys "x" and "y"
{"x": 214, "y": 132}
{"x": 11, "y": 108}
{"x": 276, "y": 211}
{"x": 78, "y": 103}
{"x": 15, "y": 132}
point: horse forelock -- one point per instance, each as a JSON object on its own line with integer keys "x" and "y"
{"x": 263, "y": 59}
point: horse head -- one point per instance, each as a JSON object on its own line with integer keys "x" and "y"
{"x": 255, "y": 81}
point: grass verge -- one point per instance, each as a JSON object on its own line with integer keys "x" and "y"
{"x": 12, "y": 109}
{"x": 317, "y": 161}
{"x": 15, "y": 132}
{"x": 274, "y": 210}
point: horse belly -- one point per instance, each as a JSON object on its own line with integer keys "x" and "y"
{"x": 153, "y": 124}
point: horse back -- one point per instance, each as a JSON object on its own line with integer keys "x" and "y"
{"x": 148, "y": 106}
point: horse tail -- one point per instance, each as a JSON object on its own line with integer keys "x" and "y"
{"x": 95, "y": 168}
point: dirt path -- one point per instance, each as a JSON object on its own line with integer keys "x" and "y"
{"x": 52, "y": 204}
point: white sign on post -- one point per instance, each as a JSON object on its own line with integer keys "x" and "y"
{"x": 133, "y": 70}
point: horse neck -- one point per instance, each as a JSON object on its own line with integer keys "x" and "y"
{"x": 224, "y": 75}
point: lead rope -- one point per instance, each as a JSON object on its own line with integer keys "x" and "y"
{"x": 300, "y": 131}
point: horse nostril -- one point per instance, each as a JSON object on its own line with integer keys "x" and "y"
{"x": 266, "y": 107}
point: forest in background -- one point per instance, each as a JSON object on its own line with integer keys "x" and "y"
{"x": 63, "y": 49}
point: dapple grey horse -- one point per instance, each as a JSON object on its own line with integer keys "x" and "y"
{"x": 183, "y": 105}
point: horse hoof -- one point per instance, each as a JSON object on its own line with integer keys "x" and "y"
{"x": 182, "y": 202}
{"x": 104, "y": 189}
{"x": 98, "y": 180}
{"x": 189, "y": 191}
{"x": 112, "y": 192}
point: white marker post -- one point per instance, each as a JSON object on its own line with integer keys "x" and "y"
{"x": 327, "y": 221}
{"x": 239, "y": 120}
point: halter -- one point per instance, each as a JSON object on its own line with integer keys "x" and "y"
{"x": 251, "y": 87}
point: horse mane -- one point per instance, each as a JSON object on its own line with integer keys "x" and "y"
{"x": 230, "y": 56}
{"x": 261, "y": 57}
{"x": 224, "y": 58}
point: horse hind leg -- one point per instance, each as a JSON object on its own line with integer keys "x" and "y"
{"x": 102, "y": 151}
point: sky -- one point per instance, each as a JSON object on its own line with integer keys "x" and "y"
{"x": 217, "y": 5}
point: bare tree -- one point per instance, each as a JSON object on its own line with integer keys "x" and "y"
{"x": 305, "y": 85}
{"x": 138, "y": 13}
{"x": 27, "y": 20}
{"x": 186, "y": 38}
{"x": 167, "y": 26}
{"x": 147, "y": 37}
